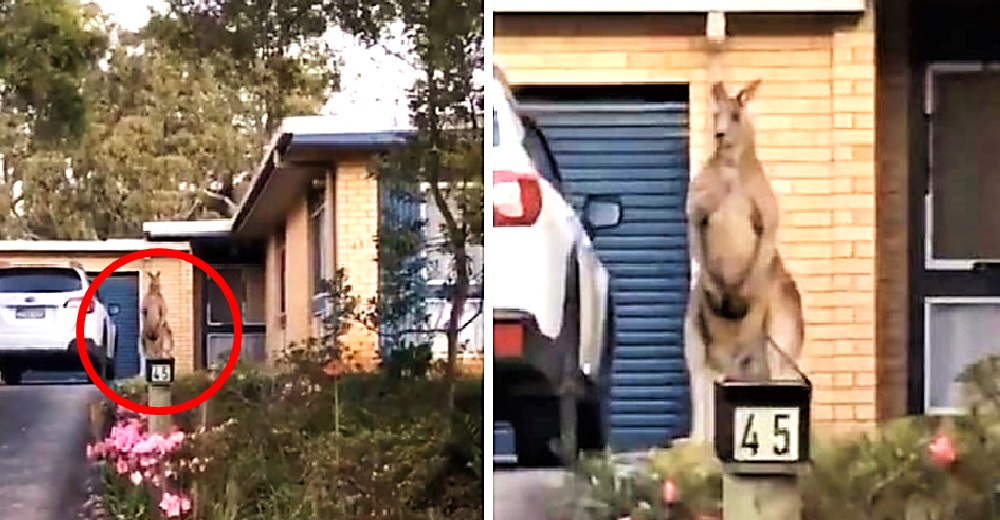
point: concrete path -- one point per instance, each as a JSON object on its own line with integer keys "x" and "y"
{"x": 531, "y": 494}
{"x": 43, "y": 434}
{"x": 521, "y": 494}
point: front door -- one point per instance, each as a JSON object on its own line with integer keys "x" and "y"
{"x": 960, "y": 277}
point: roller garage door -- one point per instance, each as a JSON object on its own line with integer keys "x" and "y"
{"x": 634, "y": 143}
{"x": 123, "y": 289}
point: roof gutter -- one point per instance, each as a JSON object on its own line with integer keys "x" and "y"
{"x": 271, "y": 160}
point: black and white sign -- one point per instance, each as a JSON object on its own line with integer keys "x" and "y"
{"x": 766, "y": 434}
{"x": 762, "y": 428}
{"x": 160, "y": 371}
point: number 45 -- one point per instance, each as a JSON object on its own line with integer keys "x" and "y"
{"x": 781, "y": 435}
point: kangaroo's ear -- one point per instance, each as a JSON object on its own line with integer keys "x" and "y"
{"x": 719, "y": 93}
{"x": 746, "y": 94}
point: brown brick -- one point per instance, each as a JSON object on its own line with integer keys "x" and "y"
{"x": 815, "y": 120}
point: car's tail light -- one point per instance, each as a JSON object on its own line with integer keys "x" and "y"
{"x": 508, "y": 339}
{"x": 517, "y": 198}
{"x": 74, "y": 303}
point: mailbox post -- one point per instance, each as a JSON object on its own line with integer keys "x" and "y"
{"x": 762, "y": 439}
{"x": 159, "y": 378}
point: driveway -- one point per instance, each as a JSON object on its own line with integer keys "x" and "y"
{"x": 526, "y": 494}
{"x": 43, "y": 434}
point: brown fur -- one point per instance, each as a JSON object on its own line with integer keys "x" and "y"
{"x": 743, "y": 298}
{"x": 157, "y": 338}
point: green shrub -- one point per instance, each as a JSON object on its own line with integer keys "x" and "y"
{"x": 886, "y": 474}
{"x": 297, "y": 443}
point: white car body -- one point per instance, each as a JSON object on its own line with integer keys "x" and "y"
{"x": 529, "y": 264}
{"x": 39, "y": 325}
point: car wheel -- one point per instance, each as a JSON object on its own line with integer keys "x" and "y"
{"x": 538, "y": 420}
{"x": 11, "y": 375}
{"x": 536, "y": 430}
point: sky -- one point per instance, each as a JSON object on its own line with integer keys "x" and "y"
{"x": 373, "y": 84}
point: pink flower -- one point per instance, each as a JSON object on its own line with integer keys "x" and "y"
{"x": 136, "y": 478}
{"x": 174, "y": 505}
{"x": 143, "y": 447}
{"x": 121, "y": 466}
{"x": 942, "y": 450}
{"x": 670, "y": 492}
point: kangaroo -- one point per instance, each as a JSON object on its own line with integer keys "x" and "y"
{"x": 744, "y": 316}
{"x": 157, "y": 338}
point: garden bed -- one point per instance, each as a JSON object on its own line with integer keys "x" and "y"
{"x": 305, "y": 444}
{"x": 912, "y": 468}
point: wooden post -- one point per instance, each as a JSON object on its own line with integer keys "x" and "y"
{"x": 762, "y": 438}
{"x": 159, "y": 395}
{"x": 760, "y": 497}
{"x": 160, "y": 379}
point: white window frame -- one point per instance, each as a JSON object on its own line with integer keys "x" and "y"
{"x": 320, "y": 299}
{"x": 262, "y": 335}
{"x": 930, "y": 301}
{"x": 934, "y": 69}
{"x": 679, "y": 6}
{"x": 478, "y": 340}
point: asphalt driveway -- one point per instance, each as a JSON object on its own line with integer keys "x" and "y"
{"x": 43, "y": 433}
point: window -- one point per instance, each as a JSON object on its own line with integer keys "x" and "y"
{"x": 317, "y": 235}
{"x": 39, "y": 280}
{"x": 252, "y": 348}
{"x": 961, "y": 273}
{"x": 538, "y": 149}
{"x": 962, "y": 331}
{"x": 439, "y": 272}
{"x": 964, "y": 167}
{"x": 496, "y": 130}
{"x": 247, "y": 284}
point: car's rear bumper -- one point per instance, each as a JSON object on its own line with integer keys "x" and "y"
{"x": 37, "y": 353}
{"x": 525, "y": 361}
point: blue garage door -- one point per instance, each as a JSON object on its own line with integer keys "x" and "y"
{"x": 637, "y": 149}
{"x": 123, "y": 289}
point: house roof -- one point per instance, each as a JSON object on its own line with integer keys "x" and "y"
{"x": 298, "y": 136}
{"x": 114, "y": 245}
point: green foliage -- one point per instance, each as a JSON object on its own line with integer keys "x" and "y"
{"x": 45, "y": 52}
{"x": 300, "y": 443}
{"x": 446, "y": 153}
{"x": 276, "y": 55}
{"x": 885, "y": 474}
{"x": 103, "y": 138}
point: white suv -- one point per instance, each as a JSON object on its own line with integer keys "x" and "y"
{"x": 553, "y": 320}
{"x": 39, "y": 305}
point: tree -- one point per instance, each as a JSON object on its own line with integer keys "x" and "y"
{"x": 446, "y": 107}
{"x": 46, "y": 49}
{"x": 276, "y": 55}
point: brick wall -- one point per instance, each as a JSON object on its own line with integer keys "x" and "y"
{"x": 814, "y": 115}
{"x": 894, "y": 78}
{"x": 298, "y": 280}
{"x": 356, "y": 225}
{"x": 177, "y": 286}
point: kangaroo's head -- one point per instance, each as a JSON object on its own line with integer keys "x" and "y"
{"x": 154, "y": 282}
{"x": 733, "y": 130}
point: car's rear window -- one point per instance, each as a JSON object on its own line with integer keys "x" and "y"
{"x": 496, "y": 130}
{"x": 39, "y": 280}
